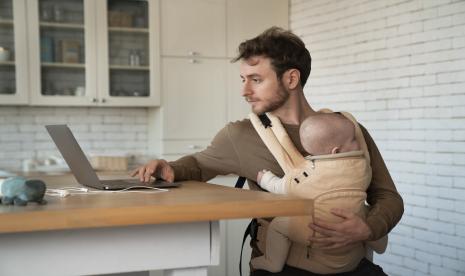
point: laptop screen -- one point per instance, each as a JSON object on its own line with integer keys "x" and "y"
{"x": 73, "y": 154}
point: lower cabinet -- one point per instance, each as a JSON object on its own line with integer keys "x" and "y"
{"x": 232, "y": 232}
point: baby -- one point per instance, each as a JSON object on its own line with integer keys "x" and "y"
{"x": 322, "y": 136}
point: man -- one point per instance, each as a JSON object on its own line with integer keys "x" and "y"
{"x": 274, "y": 69}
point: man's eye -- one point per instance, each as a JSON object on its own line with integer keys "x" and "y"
{"x": 256, "y": 80}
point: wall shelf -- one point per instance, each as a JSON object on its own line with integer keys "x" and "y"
{"x": 7, "y": 22}
{"x": 129, "y": 67}
{"x": 7, "y": 63}
{"x": 63, "y": 65}
{"x": 61, "y": 25}
{"x": 128, "y": 30}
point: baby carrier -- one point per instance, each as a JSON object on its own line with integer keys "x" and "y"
{"x": 338, "y": 192}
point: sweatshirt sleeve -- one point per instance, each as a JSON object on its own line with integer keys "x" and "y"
{"x": 219, "y": 158}
{"x": 272, "y": 183}
{"x": 386, "y": 204}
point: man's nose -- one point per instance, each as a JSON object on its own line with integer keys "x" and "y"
{"x": 246, "y": 91}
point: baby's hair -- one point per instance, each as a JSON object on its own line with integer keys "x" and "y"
{"x": 322, "y": 132}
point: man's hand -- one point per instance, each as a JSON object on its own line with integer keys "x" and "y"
{"x": 158, "y": 168}
{"x": 335, "y": 235}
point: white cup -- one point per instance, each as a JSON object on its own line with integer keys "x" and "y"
{"x": 4, "y": 54}
{"x": 29, "y": 165}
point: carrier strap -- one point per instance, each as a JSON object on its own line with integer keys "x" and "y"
{"x": 277, "y": 141}
{"x": 251, "y": 228}
{"x": 240, "y": 182}
{"x": 252, "y": 231}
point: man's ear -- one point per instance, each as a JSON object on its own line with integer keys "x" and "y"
{"x": 291, "y": 78}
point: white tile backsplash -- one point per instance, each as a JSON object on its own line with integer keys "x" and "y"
{"x": 115, "y": 131}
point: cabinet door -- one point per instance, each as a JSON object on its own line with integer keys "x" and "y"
{"x": 194, "y": 97}
{"x": 128, "y": 56}
{"x": 13, "y": 53}
{"x": 231, "y": 239}
{"x": 248, "y": 18}
{"x": 238, "y": 108}
{"x": 193, "y": 28}
{"x": 62, "y": 52}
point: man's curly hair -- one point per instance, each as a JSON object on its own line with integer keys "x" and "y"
{"x": 285, "y": 50}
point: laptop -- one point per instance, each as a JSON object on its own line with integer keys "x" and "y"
{"x": 82, "y": 169}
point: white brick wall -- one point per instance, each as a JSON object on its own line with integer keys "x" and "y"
{"x": 399, "y": 67}
{"x": 116, "y": 131}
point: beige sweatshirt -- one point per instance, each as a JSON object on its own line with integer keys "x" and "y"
{"x": 237, "y": 149}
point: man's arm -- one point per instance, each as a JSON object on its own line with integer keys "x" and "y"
{"x": 386, "y": 204}
{"x": 219, "y": 158}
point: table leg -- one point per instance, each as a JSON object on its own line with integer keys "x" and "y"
{"x": 193, "y": 271}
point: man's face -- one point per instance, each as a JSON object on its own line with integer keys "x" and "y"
{"x": 261, "y": 87}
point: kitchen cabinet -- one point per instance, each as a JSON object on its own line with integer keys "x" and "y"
{"x": 201, "y": 88}
{"x": 13, "y": 53}
{"x": 193, "y": 28}
{"x": 93, "y": 53}
{"x": 193, "y": 97}
{"x": 237, "y": 107}
{"x": 130, "y": 58}
{"x": 248, "y": 18}
{"x": 193, "y": 106}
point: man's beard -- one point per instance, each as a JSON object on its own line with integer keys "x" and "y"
{"x": 281, "y": 98}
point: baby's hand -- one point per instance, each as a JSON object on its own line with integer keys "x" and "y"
{"x": 260, "y": 175}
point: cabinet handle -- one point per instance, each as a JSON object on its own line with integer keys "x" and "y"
{"x": 94, "y": 100}
{"x": 193, "y": 147}
{"x": 193, "y": 53}
{"x": 104, "y": 100}
{"x": 193, "y": 61}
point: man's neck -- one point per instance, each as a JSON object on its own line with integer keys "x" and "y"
{"x": 295, "y": 110}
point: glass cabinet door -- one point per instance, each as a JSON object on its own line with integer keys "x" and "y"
{"x": 64, "y": 73}
{"x": 131, "y": 52}
{"x": 13, "y": 68}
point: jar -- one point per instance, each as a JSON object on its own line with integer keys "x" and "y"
{"x": 4, "y": 54}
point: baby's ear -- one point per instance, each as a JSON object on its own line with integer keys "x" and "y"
{"x": 335, "y": 150}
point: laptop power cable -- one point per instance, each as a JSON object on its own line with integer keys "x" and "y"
{"x": 67, "y": 191}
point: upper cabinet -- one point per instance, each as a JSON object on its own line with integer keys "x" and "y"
{"x": 108, "y": 52}
{"x": 13, "y": 53}
{"x": 129, "y": 62}
{"x": 248, "y": 18}
{"x": 94, "y": 52}
{"x": 193, "y": 28}
{"x": 201, "y": 89}
{"x": 237, "y": 108}
{"x": 62, "y": 53}
{"x": 194, "y": 108}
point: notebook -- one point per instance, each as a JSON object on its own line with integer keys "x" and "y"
{"x": 82, "y": 169}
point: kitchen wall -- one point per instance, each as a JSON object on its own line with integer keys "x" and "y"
{"x": 114, "y": 131}
{"x": 399, "y": 67}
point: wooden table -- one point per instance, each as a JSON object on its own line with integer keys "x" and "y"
{"x": 177, "y": 231}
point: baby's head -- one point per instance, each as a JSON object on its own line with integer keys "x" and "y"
{"x": 328, "y": 133}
